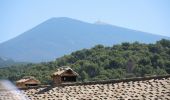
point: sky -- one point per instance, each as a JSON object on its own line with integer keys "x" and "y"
{"x": 18, "y": 16}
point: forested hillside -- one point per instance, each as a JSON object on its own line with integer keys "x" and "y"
{"x": 99, "y": 63}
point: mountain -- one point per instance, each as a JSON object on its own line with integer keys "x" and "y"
{"x": 59, "y": 36}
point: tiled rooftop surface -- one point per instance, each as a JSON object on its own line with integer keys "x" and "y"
{"x": 147, "y": 89}
{"x": 157, "y": 89}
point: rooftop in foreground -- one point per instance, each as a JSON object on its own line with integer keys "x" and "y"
{"x": 154, "y": 88}
{"x": 137, "y": 88}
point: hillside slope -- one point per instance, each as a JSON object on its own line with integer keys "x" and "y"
{"x": 6, "y": 62}
{"x": 102, "y": 63}
{"x": 58, "y": 36}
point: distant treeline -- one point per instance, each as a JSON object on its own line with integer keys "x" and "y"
{"x": 125, "y": 60}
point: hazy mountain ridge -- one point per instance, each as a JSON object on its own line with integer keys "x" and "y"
{"x": 6, "y": 62}
{"x": 58, "y": 36}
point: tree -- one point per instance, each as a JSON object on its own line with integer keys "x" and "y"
{"x": 84, "y": 76}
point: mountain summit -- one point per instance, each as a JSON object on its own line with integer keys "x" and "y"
{"x": 58, "y": 36}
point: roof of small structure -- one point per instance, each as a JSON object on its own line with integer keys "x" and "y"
{"x": 63, "y": 69}
{"x": 27, "y": 78}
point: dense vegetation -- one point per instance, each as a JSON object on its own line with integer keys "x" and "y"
{"x": 99, "y": 63}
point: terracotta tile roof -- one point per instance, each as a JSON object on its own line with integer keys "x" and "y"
{"x": 22, "y": 80}
{"x": 141, "y": 89}
{"x": 27, "y": 78}
{"x": 61, "y": 70}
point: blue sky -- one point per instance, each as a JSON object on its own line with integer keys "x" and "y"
{"x": 18, "y": 16}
